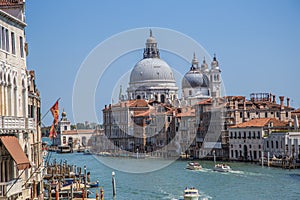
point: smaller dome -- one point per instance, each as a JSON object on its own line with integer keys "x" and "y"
{"x": 194, "y": 78}
{"x": 63, "y": 114}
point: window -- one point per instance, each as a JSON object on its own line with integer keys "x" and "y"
{"x": 3, "y": 38}
{"x": 272, "y": 144}
{"x": 244, "y": 135}
{"x": 13, "y": 43}
{"x": 286, "y": 114}
{"x": 266, "y": 114}
{"x": 7, "y": 40}
{"x": 253, "y": 135}
{"x": 241, "y": 114}
{"x": 190, "y": 92}
{"x": 239, "y": 135}
{"x": 267, "y": 144}
{"x": 276, "y": 144}
{"x": 21, "y": 47}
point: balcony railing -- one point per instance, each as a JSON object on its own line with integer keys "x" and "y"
{"x": 10, "y": 188}
{"x": 10, "y": 122}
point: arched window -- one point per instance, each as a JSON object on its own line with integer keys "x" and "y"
{"x": 162, "y": 98}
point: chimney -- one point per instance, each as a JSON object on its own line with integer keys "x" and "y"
{"x": 274, "y": 98}
{"x": 281, "y": 101}
{"x": 288, "y": 102}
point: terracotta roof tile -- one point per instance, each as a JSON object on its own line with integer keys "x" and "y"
{"x": 261, "y": 122}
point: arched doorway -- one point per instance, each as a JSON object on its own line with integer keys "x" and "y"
{"x": 245, "y": 152}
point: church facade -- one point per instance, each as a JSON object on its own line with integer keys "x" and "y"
{"x": 152, "y": 117}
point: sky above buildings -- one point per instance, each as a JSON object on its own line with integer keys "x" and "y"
{"x": 257, "y": 44}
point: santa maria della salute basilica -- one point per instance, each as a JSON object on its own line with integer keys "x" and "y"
{"x": 151, "y": 114}
{"x": 153, "y": 79}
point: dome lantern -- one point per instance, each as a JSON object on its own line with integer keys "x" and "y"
{"x": 151, "y": 50}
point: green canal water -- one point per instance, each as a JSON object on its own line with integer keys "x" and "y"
{"x": 246, "y": 181}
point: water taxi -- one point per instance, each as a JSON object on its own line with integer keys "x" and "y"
{"x": 191, "y": 194}
{"x": 222, "y": 168}
{"x": 64, "y": 149}
{"x": 193, "y": 166}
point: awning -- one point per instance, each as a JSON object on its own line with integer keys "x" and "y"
{"x": 15, "y": 150}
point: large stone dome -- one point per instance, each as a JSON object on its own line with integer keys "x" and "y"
{"x": 151, "y": 77}
{"x": 151, "y": 70}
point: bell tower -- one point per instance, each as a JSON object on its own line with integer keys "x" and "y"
{"x": 215, "y": 78}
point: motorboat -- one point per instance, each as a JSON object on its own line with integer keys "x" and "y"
{"x": 191, "y": 194}
{"x": 64, "y": 149}
{"x": 94, "y": 184}
{"x": 87, "y": 152}
{"x": 193, "y": 166}
{"x": 222, "y": 168}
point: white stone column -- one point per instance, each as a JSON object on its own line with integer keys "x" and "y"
{"x": 1, "y": 100}
{"x": 5, "y": 100}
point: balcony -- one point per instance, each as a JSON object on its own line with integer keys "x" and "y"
{"x": 11, "y": 122}
{"x": 8, "y": 189}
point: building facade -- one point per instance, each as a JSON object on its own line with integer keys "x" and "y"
{"x": 20, "y": 136}
{"x": 247, "y": 139}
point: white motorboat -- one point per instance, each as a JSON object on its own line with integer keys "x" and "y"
{"x": 222, "y": 168}
{"x": 191, "y": 194}
{"x": 193, "y": 166}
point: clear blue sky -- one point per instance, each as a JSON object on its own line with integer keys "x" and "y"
{"x": 257, "y": 42}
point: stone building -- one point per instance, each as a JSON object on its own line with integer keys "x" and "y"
{"x": 283, "y": 144}
{"x": 246, "y": 140}
{"x": 21, "y": 162}
{"x": 238, "y": 109}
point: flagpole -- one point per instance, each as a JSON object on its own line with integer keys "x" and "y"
{"x": 47, "y": 112}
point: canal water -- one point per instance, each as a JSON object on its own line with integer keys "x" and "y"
{"x": 246, "y": 181}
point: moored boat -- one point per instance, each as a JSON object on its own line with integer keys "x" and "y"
{"x": 193, "y": 166}
{"x": 64, "y": 149}
{"x": 191, "y": 194}
{"x": 87, "y": 152}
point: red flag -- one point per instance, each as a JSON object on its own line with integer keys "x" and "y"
{"x": 55, "y": 112}
{"x": 52, "y": 133}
